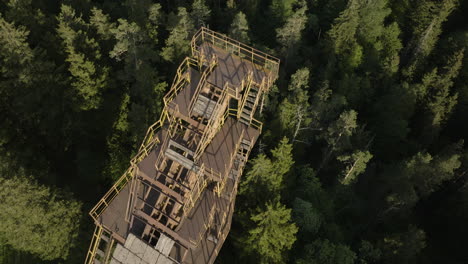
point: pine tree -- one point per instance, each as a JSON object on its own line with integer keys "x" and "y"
{"x": 326, "y": 252}
{"x": 265, "y": 179}
{"x": 102, "y": 23}
{"x": 239, "y": 29}
{"x": 294, "y": 110}
{"x": 427, "y": 20}
{"x": 154, "y": 20}
{"x": 88, "y": 79}
{"x": 273, "y": 234}
{"x": 290, "y": 34}
{"x": 308, "y": 218}
{"x": 178, "y": 42}
{"x": 37, "y": 219}
{"x": 200, "y": 13}
{"x": 355, "y": 165}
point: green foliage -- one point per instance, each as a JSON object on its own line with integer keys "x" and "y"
{"x": 273, "y": 234}
{"x": 239, "y": 29}
{"x": 126, "y": 35}
{"x": 178, "y": 42}
{"x": 404, "y": 247}
{"x": 355, "y": 165}
{"x": 290, "y": 34}
{"x": 88, "y": 79}
{"x": 102, "y": 23}
{"x": 267, "y": 174}
{"x": 15, "y": 55}
{"x": 37, "y": 219}
{"x": 294, "y": 110}
{"x": 427, "y": 19}
{"x": 339, "y": 132}
{"x": 200, "y": 13}
{"x": 326, "y": 252}
{"x": 154, "y": 20}
{"x": 308, "y": 218}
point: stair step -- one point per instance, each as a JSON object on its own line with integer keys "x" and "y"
{"x": 251, "y": 99}
{"x": 249, "y": 104}
{"x": 246, "y": 122}
{"x": 245, "y": 115}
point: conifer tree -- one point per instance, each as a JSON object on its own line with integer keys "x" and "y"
{"x": 37, "y": 219}
{"x": 290, "y": 34}
{"x": 294, "y": 110}
{"x": 178, "y": 42}
{"x": 239, "y": 29}
{"x": 88, "y": 79}
{"x": 200, "y": 13}
{"x": 273, "y": 234}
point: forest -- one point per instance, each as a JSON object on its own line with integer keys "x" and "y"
{"x": 362, "y": 158}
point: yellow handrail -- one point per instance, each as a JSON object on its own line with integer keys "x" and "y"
{"x": 94, "y": 245}
{"x": 263, "y": 60}
{"x": 210, "y": 128}
{"x": 201, "y": 83}
{"x": 97, "y": 210}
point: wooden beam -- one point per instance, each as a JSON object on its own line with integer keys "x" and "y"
{"x": 168, "y": 191}
{"x": 166, "y": 230}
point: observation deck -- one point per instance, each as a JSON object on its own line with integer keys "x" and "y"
{"x": 175, "y": 202}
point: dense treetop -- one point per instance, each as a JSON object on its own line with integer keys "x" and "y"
{"x": 362, "y": 159}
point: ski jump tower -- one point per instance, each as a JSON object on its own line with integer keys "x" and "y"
{"x": 175, "y": 202}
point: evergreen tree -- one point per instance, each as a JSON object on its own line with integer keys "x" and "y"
{"x": 326, "y": 252}
{"x": 308, "y": 218}
{"x": 200, "y": 13}
{"x": 178, "y": 42}
{"x": 291, "y": 33}
{"x": 294, "y": 110}
{"x": 426, "y": 21}
{"x": 102, "y": 23}
{"x": 154, "y": 20}
{"x": 267, "y": 174}
{"x": 37, "y": 219}
{"x": 87, "y": 78}
{"x": 239, "y": 29}
{"x": 355, "y": 165}
{"x": 273, "y": 234}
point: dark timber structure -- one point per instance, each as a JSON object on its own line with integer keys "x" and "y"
{"x": 175, "y": 202}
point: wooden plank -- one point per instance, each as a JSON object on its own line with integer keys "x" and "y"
{"x": 187, "y": 163}
{"x": 182, "y": 241}
{"x": 179, "y": 146}
{"x": 164, "y": 188}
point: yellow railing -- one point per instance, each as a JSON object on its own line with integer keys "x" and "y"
{"x": 263, "y": 60}
{"x": 201, "y": 83}
{"x": 94, "y": 245}
{"x": 207, "y": 225}
{"x": 214, "y": 124}
{"x": 195, "y": 190}
{"x": 221, "y": 184}
{"x": 182, "y": 77}
{"x": 248, "y": 84}
{"x": 111, "y": 194}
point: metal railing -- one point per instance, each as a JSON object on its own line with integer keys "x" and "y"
{"x": 214, "y": 123}
{"x": 181, "y": 79}
{"x": 94, "y": 245}
{"x": 222, "y": 184}
{"x": 263, "y": 60}
{"x": 201, "y": 83}
{"x": 196, "y": 190}
{"x": 97, "y": 210}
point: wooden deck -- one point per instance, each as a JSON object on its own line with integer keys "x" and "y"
{"x": 179, "y": 202}
{"x": 230, "y": 68}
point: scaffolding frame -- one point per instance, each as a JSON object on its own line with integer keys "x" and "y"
{"x": 176, "y": 198}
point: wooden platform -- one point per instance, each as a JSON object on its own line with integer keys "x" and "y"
{"x": 181, "y": 196}
{"x": 231, "y": 68}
